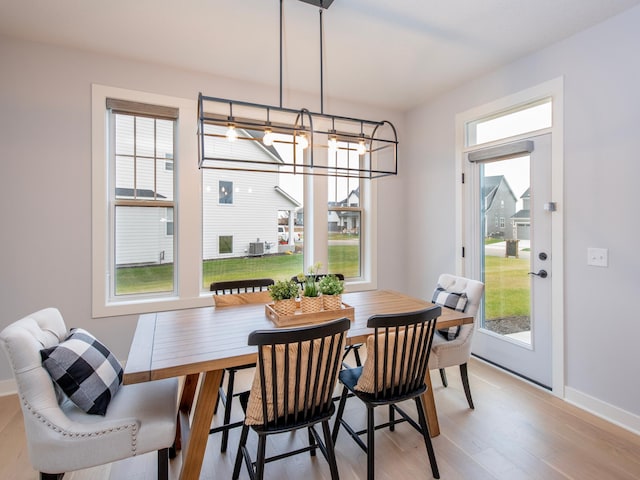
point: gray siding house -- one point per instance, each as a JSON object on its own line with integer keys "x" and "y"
{"x": 499, "y": 207}
{"x": 521, "y": 221}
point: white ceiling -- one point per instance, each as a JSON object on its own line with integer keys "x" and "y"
{"x": 391, "y": 53}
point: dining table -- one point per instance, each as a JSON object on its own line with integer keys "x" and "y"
{"x": 199, "y": 343}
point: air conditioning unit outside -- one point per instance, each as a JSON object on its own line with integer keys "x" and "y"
{"x": 256, "y": 248}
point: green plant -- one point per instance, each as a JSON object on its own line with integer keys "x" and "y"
{"x": 310, "y": 284}
{"x": 331, "y": 285}
{"x": 283, "y": 290}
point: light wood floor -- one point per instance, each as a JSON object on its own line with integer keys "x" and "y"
{"x": 517, "y": 431}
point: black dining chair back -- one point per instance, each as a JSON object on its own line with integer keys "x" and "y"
{"x": 295, "y": 377}
{"x": 240, "y": 286}
{"x": 222, "y": 288}
{"x": 353, "y": 348}
{"x": 318, "y": 277}
{"x": 394, "y": 371}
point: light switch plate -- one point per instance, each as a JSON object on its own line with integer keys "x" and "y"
{"x": 598, "y": 257}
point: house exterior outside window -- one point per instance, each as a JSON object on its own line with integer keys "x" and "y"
{"x": 141, "y": 200}
{"x": 150, "y": 207}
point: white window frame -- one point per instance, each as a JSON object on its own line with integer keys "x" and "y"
{"x": 187, "y": 224}
{"x": 188, "y": 214}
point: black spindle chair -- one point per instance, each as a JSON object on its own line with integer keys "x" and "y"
{"x": 355, "y": 348}
{"x": 394, "y": 371}
{"x": 226, "y": 288}
{"x": 304, "y": 369}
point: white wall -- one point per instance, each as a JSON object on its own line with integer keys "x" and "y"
{"x": 601, "y": 69}
{"x": 45, "y": 179}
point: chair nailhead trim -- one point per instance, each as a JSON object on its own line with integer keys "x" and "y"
{"x": 98, "y": 433}
{"x": 65, "y": 433}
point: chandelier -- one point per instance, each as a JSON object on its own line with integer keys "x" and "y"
{"x": 246, "y": 136}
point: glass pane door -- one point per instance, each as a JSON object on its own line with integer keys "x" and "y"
{"x": 514, "y": 233}
{"x": 505, "y": 191}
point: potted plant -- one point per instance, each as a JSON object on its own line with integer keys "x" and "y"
{"x": 310, "y": 300}
{"x": 284, "y": 293}
{"x": 331, "y": 288}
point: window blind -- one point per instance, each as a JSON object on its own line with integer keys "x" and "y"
{"x": 501, "y": 152}
{"x": 144, "y": 109}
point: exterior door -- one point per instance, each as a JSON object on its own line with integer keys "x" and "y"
{"x": 512, "y": 254}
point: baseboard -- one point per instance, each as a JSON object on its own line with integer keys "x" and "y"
{"x": 611, "y": 413}
{"x": 8, "y": 387}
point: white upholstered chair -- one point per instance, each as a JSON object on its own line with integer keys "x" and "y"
{"x": 448, "y": 353}
{"x": 140, "y": 418}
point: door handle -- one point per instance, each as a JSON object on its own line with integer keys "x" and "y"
{"x": 541, "y": 274}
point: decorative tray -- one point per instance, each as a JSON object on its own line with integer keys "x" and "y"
{"x": 300, "y": 318}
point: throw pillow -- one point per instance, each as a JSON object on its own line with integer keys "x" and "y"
{"x": 86, "y": 371}
{"x": 366, "y": 382}
{"x": 455, "y": 301}
{"x": 254, "y": 414}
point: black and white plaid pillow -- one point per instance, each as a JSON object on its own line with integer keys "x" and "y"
{"x": 86, "y": 371}
{"x": 455, "y": 301}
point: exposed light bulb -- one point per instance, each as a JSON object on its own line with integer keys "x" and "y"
{"x": 361, "y": 148}
{"x": 333, "y": 144}
{"x": 301, "y": 140}
{"x": 268, "y": 137}
{"x": 232, "y": 133}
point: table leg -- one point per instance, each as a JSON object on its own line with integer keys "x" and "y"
{"x": 186, "y": 403}
{"x": 430, "y": 407}
{"x": 193, "y": 451}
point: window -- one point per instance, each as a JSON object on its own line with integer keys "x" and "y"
{"x": 516, "y": 121}
{"x": 225, "y": 192}
{"x": 267, "y": 206}
{"x": 141, "y": 198}
{"x": 344, "y": 216}
{"x": 272, "y": 220}
{"x": 169, "y": 221}
{"x": 225, "y": 244}
{"x": 501, "y": 222}
{"x": 149, "y": 208}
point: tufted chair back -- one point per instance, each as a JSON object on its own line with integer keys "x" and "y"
{"x": 457, "y": 352}
{"x": 61, "y": 437}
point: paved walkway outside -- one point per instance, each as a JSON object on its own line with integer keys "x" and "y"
{"x": 499, "y": 249}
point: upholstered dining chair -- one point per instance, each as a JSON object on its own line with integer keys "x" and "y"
{"x": 393, "y": 372}
{"x": 292, "y": 389}
{"x": 226, "y": 293}
{"x": 453, "y": 347}
{"x": 61, "y": 436}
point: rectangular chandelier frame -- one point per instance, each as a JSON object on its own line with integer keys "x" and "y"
{"x": 223, "y": 126}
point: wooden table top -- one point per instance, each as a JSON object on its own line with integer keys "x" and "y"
{"x": 190, "y": 341}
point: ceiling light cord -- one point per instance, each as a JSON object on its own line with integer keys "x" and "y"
{"x": 321, "y": 66}
{"x": 290, "y": 123}
{"x": 281, "y": 15}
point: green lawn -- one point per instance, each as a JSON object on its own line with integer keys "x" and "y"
{"x": 506, "y": 279}
{"x": 146, "y": 279}
{"x": 159, "y": 278}
{"x": 506, "y": 287}
{"x": 278, "y": 267}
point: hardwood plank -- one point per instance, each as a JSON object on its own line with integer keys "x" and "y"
{"x": 516, "y": 431}
{"x": 14, "y": 458}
